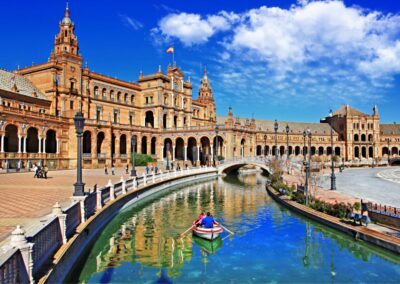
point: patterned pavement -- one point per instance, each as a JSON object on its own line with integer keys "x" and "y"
{"x": 24, "y": 199}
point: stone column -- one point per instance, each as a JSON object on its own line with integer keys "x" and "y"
{"x": 117, "y": 148}
{"x": 212, "y": 152}
{"x": 2, "y": 143}
{"x": 19, "y": 144}
{"x": 162, "y": 153}
{"x": 40, "y": 144}
{"x": 57, "y": 146}
{"x": 25, "y": 143}
{"x": 173, "y": 153}
{"x": 225, "y": 152}
{"x": 44, "y": 145}
{"x": 198, "y": 153}
{"x": 185, "y": 147}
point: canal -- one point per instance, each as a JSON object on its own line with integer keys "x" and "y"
{"x": 271, "y": 244}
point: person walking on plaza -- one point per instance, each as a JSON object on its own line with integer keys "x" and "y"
{"x": 147, "y": 170}
{"x": 156, "y": 169}
{"x": 105, "y": 170}
{"x": 36, "y": 171}
{"x": 45, "y": 171}
{"x": 127, "y": 169}
{"x": 112, "y": 170}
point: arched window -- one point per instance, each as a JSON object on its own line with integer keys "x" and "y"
{"x": 363, "y": 137}
{"x": 132, "y": 99}
{"x": 96, "y": 92}
{"x": 118, "y": 96}
{"x": 356, "y": 137}
{"x": 104, "y": 94}
{"x": 111, "y": 95}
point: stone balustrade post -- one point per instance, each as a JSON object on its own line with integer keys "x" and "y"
{"x": 112, "y": 189}
{"x": 98, "y": 199}
{"x": 175, "y": 173}
{"x": 144, "y": 179}
{"x": 18, "y": 240}
{"x": 123, "y": 185}
{"x": 134, "y": 183}
{"x": 81, "y": 200}
{"x": 62, "y": 218}
{"x": 154, "y": 177}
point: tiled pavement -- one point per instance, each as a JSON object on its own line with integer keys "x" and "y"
{"x": 24, "y": 199}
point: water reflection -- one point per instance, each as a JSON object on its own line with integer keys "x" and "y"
{"x": 270, "y": 242}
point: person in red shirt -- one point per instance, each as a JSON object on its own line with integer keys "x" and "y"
{"x": 199, "y": 219}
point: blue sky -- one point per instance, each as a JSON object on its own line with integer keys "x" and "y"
{"x": 285, "y": 60}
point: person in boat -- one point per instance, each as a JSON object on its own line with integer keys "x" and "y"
{"x": 199, "y": 219}
{"x": 208, "y": 221}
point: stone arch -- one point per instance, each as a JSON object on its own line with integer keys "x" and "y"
{"x": 370, "y": 137}
{"x": 356, "y": 137}
{"x": 122, "y": 144}
{"x": 167, "y": 148}
{"x": 165, "y": 120}
{"x": 242, "y": 147}
{"x": 364, "y": 152}
{"x": 395, "y": 151}
{"x": 356, "y": 152}
{"x": 297, "y": 151}
{"x": 153, "y": 145}
{"x": 144, "y": 145}
{"x": 99, "y": 141}
{"x": 313, "y": 150}
{"x": 258, "y": 150}
{"x": 149, "y": 119}
{"x": 104, "y": 93}
{"x": 11, "y": 138}
{"x": 219, "y": 151}
{"x": 32, "y": 140}
{"x": 179, "y": 149}
{"x": 337, "y": 151}
{"x": 205, "y": 150}
{"x": 371, "y": 152}
{"x": 282, "y": 150}
{"x": 51, "y": 141}
{"x": 192, "y": 150}
{"x": 329, "y": 151}
{"x": 363, "y": 137}
{"x": 266, "y": 150}
{"x": 320, "y": 151}
{"x": 113, "y": 138}
{"x": 385, "y": 151}
{"x": 96, "y": 92}
{"x": 290, "y": 151}
{"x": 87, "y": 142}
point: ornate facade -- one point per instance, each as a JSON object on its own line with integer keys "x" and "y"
{"x": 37, "y": 105}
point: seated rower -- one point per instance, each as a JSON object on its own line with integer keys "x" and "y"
{"x": 199, "y": 219}
{"x": 208, "y": 221}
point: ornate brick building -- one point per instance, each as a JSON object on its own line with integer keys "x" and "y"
{"x": 37, "y": 105}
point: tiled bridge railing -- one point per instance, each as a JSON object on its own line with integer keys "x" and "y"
{"x": 24, "y": 259}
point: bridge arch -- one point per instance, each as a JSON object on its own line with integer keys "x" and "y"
{"x": 232, "y": 166}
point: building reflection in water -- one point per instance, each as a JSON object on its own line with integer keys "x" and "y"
{"x": 149, "y": 235}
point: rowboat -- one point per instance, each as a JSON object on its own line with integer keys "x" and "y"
{"x": 207, "y": 233}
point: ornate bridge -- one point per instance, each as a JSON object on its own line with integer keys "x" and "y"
{"x": 394, "y": 161}
{"x": 234, "y": 164}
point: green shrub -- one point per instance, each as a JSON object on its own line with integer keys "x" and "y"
{"x": 142, "y": 159}
{"x": 221, "y": 158}
{"x": 357, "y": 206}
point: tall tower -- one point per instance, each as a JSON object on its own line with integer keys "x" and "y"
{"x": 206, "y": 97}
{"x": 66, "y": 42}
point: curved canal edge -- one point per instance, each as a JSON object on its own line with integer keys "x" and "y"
{"x": 68, "y": 256}
{"x": 362, "y": 233}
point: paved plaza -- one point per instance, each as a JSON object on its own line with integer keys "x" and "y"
{"x": 24, "y": 199}
{"x": 380, "y": 185}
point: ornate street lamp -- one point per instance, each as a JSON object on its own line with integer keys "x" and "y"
{"x": 308, "y": 164}
{"x": 167, "y": 151}
{"x": 276, "y": 138}
{"x": 79, "y": 125}
{"x": 133, "y": 146}
{"x": 333, "y": 177}
{"x": 216, "y": 145}
{"x": 304, "y": 147}
{"x": 287, "y": 141}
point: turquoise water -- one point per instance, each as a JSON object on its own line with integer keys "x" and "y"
{"x": 270, "y": 245}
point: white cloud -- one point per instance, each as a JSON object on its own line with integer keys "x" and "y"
{"x": 131, "y": 22}
{"x": 192, "y": 29}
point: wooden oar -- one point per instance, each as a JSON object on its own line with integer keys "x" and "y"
{"x": 232, "y": 233}
{"x": 186, "y": 231}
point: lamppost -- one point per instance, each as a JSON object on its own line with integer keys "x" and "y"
{"x": 133, "y": 146}
{"x": 287, "y": 141}
{"x": 276, "y": 138}
{"x": 79, "y": 125}
{"x": 333, "y": 177}
{"x": 167, "y": 151}
{"x": 308, "y": 164}
{"x": 216, "y": 146}
{"x": 304, "y": 147}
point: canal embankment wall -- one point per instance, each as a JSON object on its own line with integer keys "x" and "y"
{"x": 53, "y": 249}
{"x": 359, "y": 232}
